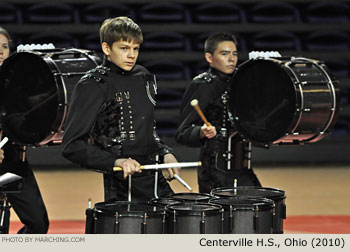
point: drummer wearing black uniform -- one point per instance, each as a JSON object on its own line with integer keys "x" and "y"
{"x": 210, "y": 89}
{"x": 110, "y": 120}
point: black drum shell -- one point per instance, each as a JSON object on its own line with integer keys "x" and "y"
{"x": 277, "y": 195}
{"x": 132, "y": 218}
{"x": 194, "y": 218}
{"x": 246, "y": 215}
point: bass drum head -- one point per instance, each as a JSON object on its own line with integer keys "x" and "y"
{"x": 262, "y": 100}
{"x": 28, "y": 108}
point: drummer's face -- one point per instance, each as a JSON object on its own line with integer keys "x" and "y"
{"x": 123, "y": 53}
{"x": 224, "y": 58}
{"x": 4, "y": 48}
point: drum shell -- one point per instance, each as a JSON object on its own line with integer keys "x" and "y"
{"x": 283, "y": 100}
{"x": 246, "y": 215}
{"x": 277, "y": 195}
{"x": 148, "y": 221}
{"x": 187, "y": 218}
{"x": 36, "y": 87}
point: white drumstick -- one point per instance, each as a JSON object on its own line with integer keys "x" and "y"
{"x": 3, "y": 142}
{"x": 164, "y": 166}
{"x": 183, "y": 182}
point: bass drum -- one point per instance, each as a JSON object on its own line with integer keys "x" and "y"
{"x": 283, "y": 101}
{"x": 35, "y": 90}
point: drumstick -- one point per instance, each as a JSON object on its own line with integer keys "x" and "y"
{"x": 163, "y": 166}
{"x": 3, "y": 142}
{"x": 194, "y": 103}
{"x": 183, "y": 182}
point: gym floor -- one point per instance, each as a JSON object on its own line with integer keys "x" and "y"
{"x": 312, "y": 193}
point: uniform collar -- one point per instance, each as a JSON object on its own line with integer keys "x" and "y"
{"x": 116, "y": 69}
{"x": 221, "y": 75}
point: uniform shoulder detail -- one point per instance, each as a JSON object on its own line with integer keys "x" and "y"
{"x": 97, "y": 74}
{"x": 207, "y": 77}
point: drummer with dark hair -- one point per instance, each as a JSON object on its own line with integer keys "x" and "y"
{"x": 28, "y": 204}
{"x": 225, "y": 156}
{"x": 110, "y": 121}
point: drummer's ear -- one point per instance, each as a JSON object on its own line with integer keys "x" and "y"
{"x": 106, "y": 48}
{"x": 209, "y": 58}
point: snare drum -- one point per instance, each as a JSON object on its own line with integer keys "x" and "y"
{"x": 192, "y": 197}
{"x": 277, "y": 195}
{"x": 122, "y": 217}
{"x": 35, "y": 90}
{"x": 246, "y": 215}
{"x": 283, "y": 101}
{"x": 194, "y": 218}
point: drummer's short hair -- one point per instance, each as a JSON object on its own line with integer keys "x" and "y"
{"x": 120, "y": 28}
{"x": 211, "y": 43}
{"x": 5, "y": 33}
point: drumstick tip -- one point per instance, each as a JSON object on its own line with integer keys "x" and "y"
{"x": 194, "y": 102}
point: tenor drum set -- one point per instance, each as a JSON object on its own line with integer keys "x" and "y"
{"x": 272, "y": 101}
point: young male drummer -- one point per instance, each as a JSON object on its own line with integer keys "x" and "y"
{"x": 210, "y": 89}
{"x": 110, "y": 120}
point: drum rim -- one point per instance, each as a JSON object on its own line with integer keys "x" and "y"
{"x": 158, "y": 211}
{"x": 189, "y": 200}
{"x": 281, "y": 193}
{"x": 260, "y": 203}
{"x": 189, "y": 212}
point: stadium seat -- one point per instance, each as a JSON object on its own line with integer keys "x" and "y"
{"x": 165, "y": 41}
{"x": 98, "y": 12}
{"x": 327, "y": 12}
{"x": 163, "y": 12}
{"x": 274, "y": 12}
{"x": 219, "y": 12}
{"x": 50, "y": 13}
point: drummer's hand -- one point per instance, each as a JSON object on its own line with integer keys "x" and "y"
{"x": 170, "y": 158}
{"x": 1, "y": 155}
{"x": 130, "y": 166}
{"x": 208, "y": 132}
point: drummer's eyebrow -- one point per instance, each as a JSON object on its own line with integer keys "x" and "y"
{"x": 226, "y": 51}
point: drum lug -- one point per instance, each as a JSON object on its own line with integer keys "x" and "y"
{"x": 116, "y": 224}
{"x": 164, "y": 222}
{"x": 296, "y": 134}
{"x": 303, "y": 83}
{"x": 231, "y": 220}
{"x": 222, "y": 220}
{"x": 202, "y": 224}
{"x": 256, "y": 219}
{"x": 307, "y": 110}
{"x": 144, "y": 225}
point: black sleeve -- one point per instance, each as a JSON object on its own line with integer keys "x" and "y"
{"x": 161, "y": 146}
{"x": 190, "y": 125}
{"x": 86, "y": 101}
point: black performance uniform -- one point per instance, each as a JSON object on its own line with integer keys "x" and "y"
{"x": 111, "y": 116}
{"x": 28, "y": 204}
{"x": 210, "y": 89}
